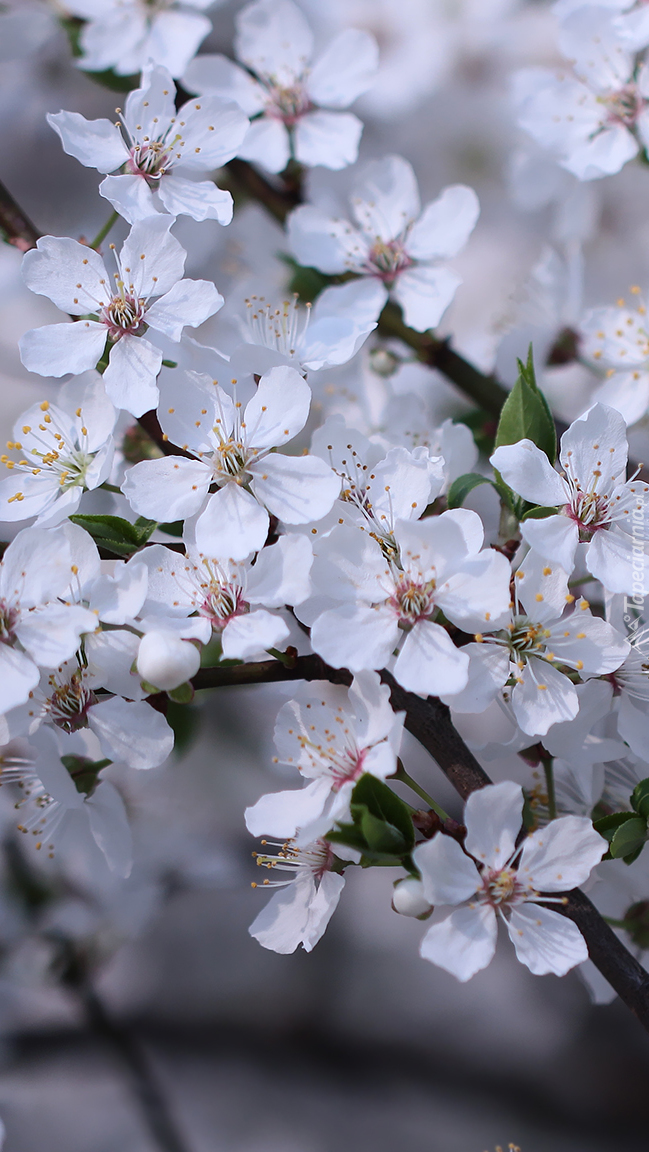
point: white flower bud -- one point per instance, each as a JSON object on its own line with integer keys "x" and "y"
{"x": 408, "y": 898}
{"x": 167, "y": 661}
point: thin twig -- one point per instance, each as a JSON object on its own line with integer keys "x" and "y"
{"x": 15, "y": 223}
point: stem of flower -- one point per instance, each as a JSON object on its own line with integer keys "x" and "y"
{"x": 111, "y": 488}
{"x": 103, "y": 232}
{"x": 548, "y": 768}
{"x": 405, "y": 778}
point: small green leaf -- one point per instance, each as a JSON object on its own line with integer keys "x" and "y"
{"x": 382, "y": 802}
{"x": 116, "y": 534}
{"x": 84, "y": 772}
{"x": 461, "y": 487}
{"x": 185, "y": 720}
{"x": 607, "y": 825}
{"x": 629, "y": 838}
{"x": 539, "y": 513}
{"x": 175, "y": 528}
{"x": 640, "y": 798}
{"x": 525, "y": 415}
{"x": 381, "y": 836}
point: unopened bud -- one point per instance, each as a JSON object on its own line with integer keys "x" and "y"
{"x": 408, "y": 899}
{"x": 166, "y": 660}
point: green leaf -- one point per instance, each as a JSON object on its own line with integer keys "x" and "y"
{"x": 640, "y": 798}
{"x": 174, "y": 528}
{"x": 461, "y": 487}
{"x": 115, "y": 534}
{"x": 607, "y": 825}
{"x": 629, "y": 838}
{"x": 107, "y": 78}
{"x": 84, "y": 772}
{"x": 381, "y": 836}
{"x": 539, "y": 513}
{"x": 185, "y": 720}
{"x": 525, "y": 415}
{"x": 382, "y": 803}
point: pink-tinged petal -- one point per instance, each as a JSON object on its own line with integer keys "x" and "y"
{"x": 282, "y": 813}
{"x": 488, "y": 671}
{"x": 554, "y": 537}
{"x": 167, "y": 489}
{"x": 279, "y": 408}
{"x": 18, "y": 677}
{"x": 345, "y": 69}
{"x": 71, "y": 275}
{"x": 152, "y": 259}
{"x": 188, "y": 302}
{"x": 130, "y": 378}
{"x": 110, "y": 827}
{"x": 267, "y": 143}
{"x": 448, "y": 875}
{"x": 445, "y": 225}
{"x": 130, "y": 195}
{"x": 233, "y": 524}
{"x": 201, "y": 201}
{"x": 61, "y": 348}
{"x": 545, "y": 697}
{"x": 132, "y": 732}
{"x": 246, "y": 636}
{"x": 175, "y": 37}
{"x": 329, "y": 139}
{"x": 296, "y": 489}
{"x": 95, "y": 143}
{"x": 529, "y": 472}
{"x": 274, "y": 39}
{"x": 493, "y": 817}
{"x": 355, "y": 637}
{"x": 464, "y": 943}
{"x": 386, "y": 198}
{"x": 429, "y": 662}
{"x": 218, "y": 76}
{"x": 561, "y": 856}
{"x": 545, "y": 941}
{"x": 425, "y": 292}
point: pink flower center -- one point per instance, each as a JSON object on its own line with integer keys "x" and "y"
{"x": 590, "y": 511}
{"x": 125, "y": 314}
{"x": 625, "y": 106}
{"x": 287, "y": 104}
{"x": 413, "y": 601}
{"x": 500, "y": 886}
{"x": 150, "y": 160}
{"x": 387, "y": 258}
{"x": 68, "y": 705}
{"x": 349, "y": 767}
{"x": 223, "y": 602}
{"x": 8, "y": 618}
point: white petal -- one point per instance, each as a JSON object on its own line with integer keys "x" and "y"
{"x": 218, "y": 76}
{"x": 464, "y": 943}
{"x": 188, "y": 302}
{"x": 110, "y": 827}
{"x": 130, "y": 195}
{"x": 72, "y": 275}
{"x": 545, "y": 697}
{"x": 201, "y": 201}
{"x": 62, "y": 348}
{"x": 175, "y": 37}
{"x": 281, "y": 573}
{"x": 562, "y": 855}
{"x": 21, "y": 580}
{"x": 493, "y": 817}
{"x": 429, "y": 662}
{"x": 95, "y": 143}
{"x": 620, "y": 564}
{"x": 130, "y": 378}
{"x": 18, "y": 676}
{"x": 153, "y": 257}
{"x": 425, "y": 292}
{"x": 319, "y": 241}
{"x": 529, "y": 472}
{"x": 355, "y": 637}
{"x": 488, "y": 671}
{"x": 132, "y": 732}
{"x": 233, "y": 524}
{"x": 274, "y": 39}
{"x": 168, "y": 489}
{"x": 445, "y": 225}
{"x": 279, "y": 408}
{"x": 267, "y": 143}
{"x": 386, "y": 198}
{"x": 448, "y": 875}
{"x": 165, "y": 660}
{"x": 633, "y": 725}
{"x": 345, "y": 69}
{"x": 545, "y": 941}
{"x": 327, "y": 138}
{"x": 246, "y": 636}
{"x": 554, "y": 537}
{"x": 606, "y": 153}
{"x": 282, "y": 813}
{"x": 51, "y": 634}
{"x": 296, "y": 489}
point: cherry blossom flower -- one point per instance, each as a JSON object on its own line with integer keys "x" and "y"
{"x": 148, "y": 294}
{"x": 398, "y": 249}
{"x": 231, "y": 598}
{"x": 595, "y": 504}
{"x": 598, "y": 120}
{"x": 537, "y": 649}
{"x": 65, "y": 450}
{"x": 55, "y": 797}
{"x": 231, "y": 447}
{"x": 37, "y": 628}
{"x": 125, "y": 34}
{"x": 494, "y": 879}
{"x": 294, "y": 102}
{"x": 159, "y": 150}
{"x": 632, "y": 695}
{"x": 332, "y": 736}
{"x": 390, "y": 596}
{"x": 300, "y": 911}
{"x": 616, "y": 339}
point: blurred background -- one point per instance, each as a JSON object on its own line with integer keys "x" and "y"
{"x": 139, "y": 1015}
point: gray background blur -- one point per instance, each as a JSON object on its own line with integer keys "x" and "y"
{"x": 360, "y": 1046}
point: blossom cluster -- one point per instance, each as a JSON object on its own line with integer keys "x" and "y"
{"x": 271, "y": 516}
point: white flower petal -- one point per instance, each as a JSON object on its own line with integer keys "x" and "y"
{"x": 464, "y": 943}
{"x": 130, "y": 378}
{"x": 529, "y": 472}
{"x": 448, "y": 875}
{"x": 344, "y": 70}
{"x": 296, "y": 489}
{"x": 94, "y": 143}
{"x": 429, "y": 662}
{"x": 562, "y": 855}
{"x": 130, "y": 195}
{"x": 187, "y": 302}
{"x": 445, "y": 225}
{"x": 233, "y": 524}
{"x": 425, "y": 292}
{"x": 168, "y": 489}
{"x": 132, "y": 732}
{"x": 110, "y": 827}
{"x": 201, "y": 200}
{"x": 493, "y": 817}
{"x": 61, "y": 348}
{"x": 246, "y": 636}
{"x": 545, "y": 941}
{"x": 330, "y": 139}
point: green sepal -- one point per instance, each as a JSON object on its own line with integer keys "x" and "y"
{"x": 525, "y": 415}
{"x": 539, "y": 513}
{"x": 116, "y": 535}
{"x": 183, "y": 694}
{"x": 174, "y": 528}
{"x": 84, "y": 772}
{"x": 461, "y": 487}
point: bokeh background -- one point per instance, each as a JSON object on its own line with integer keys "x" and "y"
{"x": 360, "y": 1046}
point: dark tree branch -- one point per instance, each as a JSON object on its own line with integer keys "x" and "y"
{"x": 429, "y": 721}
{"x": 15, "y": 224}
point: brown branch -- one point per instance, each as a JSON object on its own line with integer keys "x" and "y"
{"x": 15, "y": 224}
{"x": 429, "y": 721}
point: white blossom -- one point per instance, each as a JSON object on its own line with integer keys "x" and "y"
{"x": 159, "y": 151}
{"x": 494, "y": 879}
{"x": 294, "y": 102}
{"x": 398, "y": 249}
{"x": 616, "y": 340}
{"x": 148, "y": 293}
{"x": 125, "y": 34}
{"x": 300, "y": 911}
